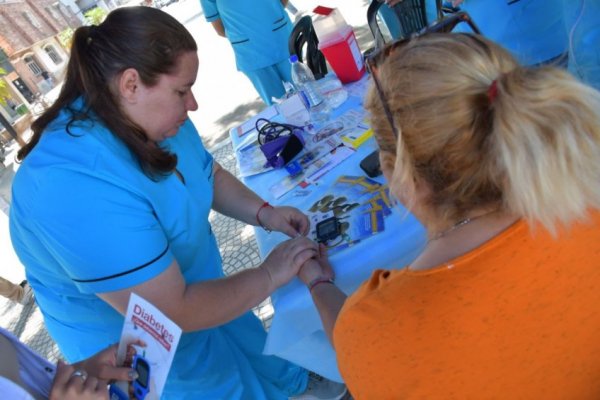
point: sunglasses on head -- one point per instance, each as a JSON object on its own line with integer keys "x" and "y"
{"x": 375, "y": 59}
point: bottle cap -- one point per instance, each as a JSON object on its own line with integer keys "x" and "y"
{"x": 293, "y": 58}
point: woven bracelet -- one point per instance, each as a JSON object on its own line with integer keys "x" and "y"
{"x": 318, "y": 281}
{"x": 264, "y": 205}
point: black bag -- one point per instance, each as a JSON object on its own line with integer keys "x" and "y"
{"x": 304, "y": 34}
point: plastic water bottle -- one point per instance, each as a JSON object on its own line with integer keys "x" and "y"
{"x": 305, "y": 83}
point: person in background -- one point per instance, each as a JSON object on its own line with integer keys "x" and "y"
{"x": 500, "y": 163}
{"x": 21, "y": 293}
{"x": 258, "y": 32}
{"x": 24, "y": 375}
{"x": 532, "y": 30}
{"x": 113, "y": 197}
{"x": 583, "y": 29}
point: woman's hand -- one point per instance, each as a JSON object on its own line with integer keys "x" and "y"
{"x": 284, "y": 219}
{"x": 71, "y": 383}
{"x": 103, "y": 365}
{"x": 284, "y": 261}
{"x": 317, "y": 267}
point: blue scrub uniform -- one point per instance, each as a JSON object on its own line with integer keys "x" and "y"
{"x": 85, "y": 219}
{"x": 532, "y": 30}
{"x": 258, "y": 31}
{"x": 582, "y": 19}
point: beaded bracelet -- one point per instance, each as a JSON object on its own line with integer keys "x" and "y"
{"x": 318, "y": 281}
{"x": 264, "y": 205}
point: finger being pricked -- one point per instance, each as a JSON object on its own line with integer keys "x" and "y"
{"x": 302, "y": 249}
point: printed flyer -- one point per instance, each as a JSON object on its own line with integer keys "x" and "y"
{"x": 148, "y": 343}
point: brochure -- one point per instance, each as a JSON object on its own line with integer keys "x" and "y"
{"x": 148, "y": 343}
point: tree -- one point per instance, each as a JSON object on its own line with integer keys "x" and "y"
{"x": 95, "y": 16}
{"x": 4, "y": 94}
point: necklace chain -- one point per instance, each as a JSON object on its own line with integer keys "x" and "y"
{"x": 457, "y": 225}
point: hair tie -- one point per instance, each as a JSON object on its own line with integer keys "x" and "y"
{"x": 492, "y": 92}
{"x": 91, "y": 31}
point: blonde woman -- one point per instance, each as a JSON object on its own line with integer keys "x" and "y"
{"x": 501, "y": 164}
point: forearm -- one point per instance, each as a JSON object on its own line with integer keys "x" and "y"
{"x": 218, "y": 27}
{"x": 198, "y": 305}
{"x": 329, "y": 300}
{"x": 233, "y": 198}
{"x": 216, "y": 302}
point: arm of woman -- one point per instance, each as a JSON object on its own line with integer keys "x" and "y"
{"x": 218, "y": 27}
{"x": 327, "y": 297}
{"x": 234, "y": 199}
{"x": 211, "y": 303}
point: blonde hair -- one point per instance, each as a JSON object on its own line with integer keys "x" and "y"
{"x": 532, "y": 149}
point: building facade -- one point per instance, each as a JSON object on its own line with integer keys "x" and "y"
{"x": 31, "y": 56}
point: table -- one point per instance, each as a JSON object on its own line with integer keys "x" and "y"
{"x": 296, "y": 332}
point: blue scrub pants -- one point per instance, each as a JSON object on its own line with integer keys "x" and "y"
{"x": 268, "y": 81}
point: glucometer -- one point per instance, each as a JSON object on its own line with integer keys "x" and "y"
{"x": 142, "y": 383}
{"x": 328, "y": 229}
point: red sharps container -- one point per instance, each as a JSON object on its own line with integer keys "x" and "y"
{"x": 338, "y": 44}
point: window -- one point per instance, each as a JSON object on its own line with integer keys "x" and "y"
{"x": 53, "y": 54}
{"x": 52, "y": 11}
{"x": 31, "y": 19}
{"x": 33, "y": 65}
{"x": 5, "y": 62}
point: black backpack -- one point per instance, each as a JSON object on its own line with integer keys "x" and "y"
{"x": 304, "y": 34}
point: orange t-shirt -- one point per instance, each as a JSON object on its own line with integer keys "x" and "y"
{"x": 516, "y": 318}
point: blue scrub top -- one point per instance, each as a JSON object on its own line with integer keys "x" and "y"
{"x": 532, "y": 30}
{"x": 258, "y": 30}
{"x": 85, "y": 219}
{"x": 583, "y": 25}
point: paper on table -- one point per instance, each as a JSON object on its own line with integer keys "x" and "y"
{"x": 313, "y": 172}
{"x": 294, "y": 111}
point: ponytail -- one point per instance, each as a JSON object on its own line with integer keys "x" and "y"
{"x": 546, "y": 127}
{"x": 481, "y": 131}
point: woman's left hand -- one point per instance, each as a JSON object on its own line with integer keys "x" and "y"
{"x": 284, "y": 219}
{"x": 103, "y": 365}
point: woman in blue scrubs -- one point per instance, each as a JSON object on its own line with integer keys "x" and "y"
{"x": 113, "y": 197}
{"x": 583, "y": 27}
{"x": 532, "y": 30}
{"x": 258, "y": 31}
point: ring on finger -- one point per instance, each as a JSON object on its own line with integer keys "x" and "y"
{"x": 80, "y": 373}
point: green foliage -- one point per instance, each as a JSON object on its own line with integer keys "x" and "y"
{"x": 22, "y": 109}
{"x": 95, "y": 16}
{"x": 65, "y": 37}
{"x": 4, "y": 92}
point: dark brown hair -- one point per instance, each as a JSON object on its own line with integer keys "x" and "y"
{"x": 143, "y": 38}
